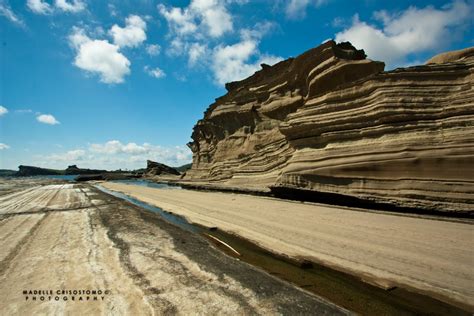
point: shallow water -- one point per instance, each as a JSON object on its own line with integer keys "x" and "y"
{"x": 147, "y": 183}
{"x": 174, "y": 219}
{"x": 338, "y": 287}
{"x": 68, "y": 177}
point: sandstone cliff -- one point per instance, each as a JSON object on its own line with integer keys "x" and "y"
{"x": 331, "y": 121}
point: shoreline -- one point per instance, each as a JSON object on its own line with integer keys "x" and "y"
{"x": 368, "y": 277}
{"x": 58, "y": 236}
{"x": 308, "y": 196}
{"x": 340, "y": 287}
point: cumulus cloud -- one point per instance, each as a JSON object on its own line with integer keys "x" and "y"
{"x": 73, "y": 6}
{"x": 209, "y": 17}
{"x": 214, "y": 15}
{"x": 47, "y": 119}
{"x": 296, "y": 9}
{"x": 132, "y": 35}
{"x": 43, "y": 7}
{"x": 3, "y": 110}
{"x": 196, "y": 31}
{"x": 153, "y": 49}
{"x": 71, "y": 156}
{"x": 196, "y": 52}
{"x": 408, "y": 32}
{"x": 240, "y": 60}
{"x": 132, "y": 155}
{"x": 8, "y": 13}
{"x": 99, "y": 57}
{"x": 258, "y": 31}
{"x": 154, "y": 72}
{"x": 115, "y": 154}
{"x": 115, "y": 147}
{"x": 4, "y": 146}
{"x": 39, "y": 6}
{"x": 179, "y": 20}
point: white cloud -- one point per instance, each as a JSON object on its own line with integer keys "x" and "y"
{"x": 112, "y": 9}
{"x": 7, "y": 12}
{"x": 214, "y": 15}
{"x": 195, "y": 30}
{"x": 209, "y": 17}
{"x": 338, "y": 22}
{"x": 177, "y": 47}
{"x": 73, "y": 6}
{"x": 4, "y": 146}
{"x": 47, "y": 119}
{"x": 153, "y": 49}
{"x": 115, "y": 154}
{"x": 99, "y": 57}
{"x": 196, "y": 52}
{"x": 3, "y": 110}
{"x": 259, "y": 30}
{"x": 154, "y": 72}
{"x": 132, "y": 35}
{"x": 296, "y": 9}
{"x": 115, "y": 147}
{"x": 69, "y": 157}
{"x": 39, "y": 6}
{"x": 232, "y": 62}
{"x": 43, "y": 7}
{"x": 409, "y": 32}
{"x": 179, "y": 20}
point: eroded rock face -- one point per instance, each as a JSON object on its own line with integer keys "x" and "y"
{"x": 156, "y": 168}
{"x": 332, "y": 121}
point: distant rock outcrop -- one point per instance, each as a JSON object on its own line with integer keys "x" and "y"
{"x": 330, "y": 121}
{"x": 28, "y": 171}
{"x": 73, "y": 169}
{"x": 156, "y": 169}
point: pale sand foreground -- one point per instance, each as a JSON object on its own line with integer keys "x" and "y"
{"x": 73, "y": 237}
{"x": 433, "y": 256}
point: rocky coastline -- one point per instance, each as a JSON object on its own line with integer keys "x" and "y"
{"x": 331, "y": 121}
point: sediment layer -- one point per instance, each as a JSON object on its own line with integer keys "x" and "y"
{"x": 331, "y": 121}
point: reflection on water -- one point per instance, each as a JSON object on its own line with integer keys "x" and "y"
{"x": 174, "y": 219}
{"x": 147, "y": 183}
{"x": 68, "y": 177}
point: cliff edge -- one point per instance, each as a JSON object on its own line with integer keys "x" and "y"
{"x": 331, "y": 121}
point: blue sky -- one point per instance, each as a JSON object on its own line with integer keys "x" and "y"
{"x": 109, "y": 84}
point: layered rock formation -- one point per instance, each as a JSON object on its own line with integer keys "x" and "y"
{"x": 156, "y": 169}
{"x": 331, "y": 121}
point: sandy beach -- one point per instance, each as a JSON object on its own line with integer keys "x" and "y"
{"x": 60, "y": 242}
{"x": 432, "y": 256}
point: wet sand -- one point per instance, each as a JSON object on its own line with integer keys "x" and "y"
{"x": 435, "y": 257}
{"x": 74, "y": 237}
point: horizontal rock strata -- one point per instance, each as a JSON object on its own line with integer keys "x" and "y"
{"x": 331, "y": 121}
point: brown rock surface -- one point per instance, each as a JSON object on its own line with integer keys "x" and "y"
{"x": 331, "y": 121}
{"x": 156, "y": 168}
